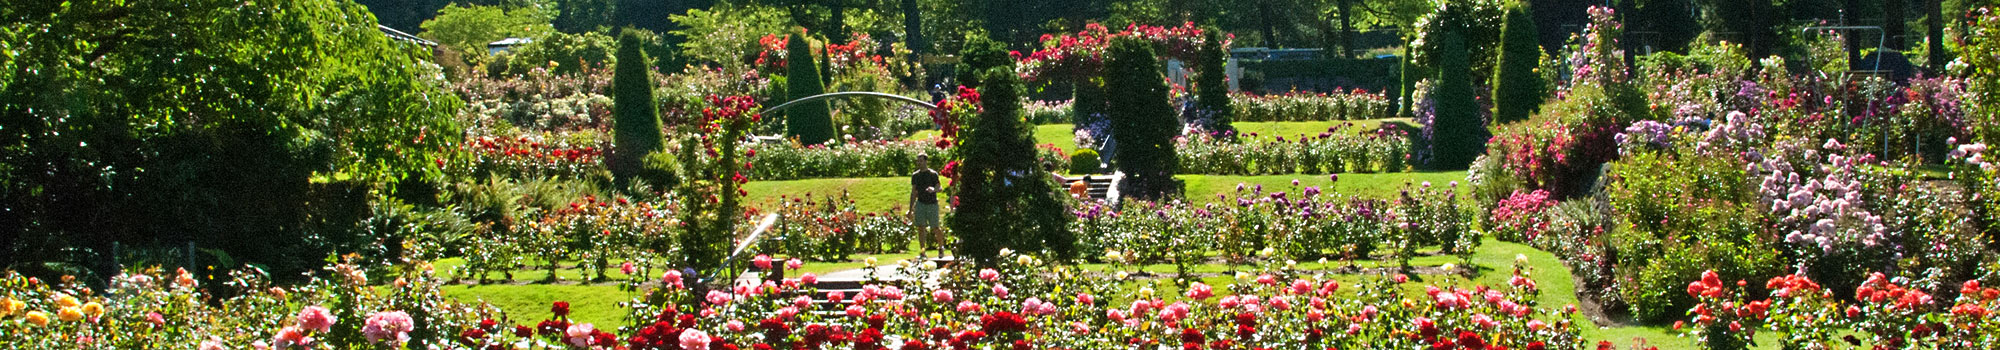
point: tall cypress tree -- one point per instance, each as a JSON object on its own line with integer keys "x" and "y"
{"x": 1407, "y": 87}
{"x": 811, "y": 123}
{"x": 635, "y": 114}
{"x": 1517, "y": 90}
{"x": 1000, "y": 181}
{"x": 1213, "y": 84}
{"x": 1142, "y": 123}
{"x": 1455, "y": 139}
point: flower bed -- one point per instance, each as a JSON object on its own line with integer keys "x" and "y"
{"x": 1301, "y": 223}
{"x": 1384, "y": 149}
{"x": 860, "y": 159}
{"x": 831, "y": 229}
{"x": 1273, "y": 307}
{"x": 1358, "y": 104}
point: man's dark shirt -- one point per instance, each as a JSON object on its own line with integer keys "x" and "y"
{"x": 924, "y": 185}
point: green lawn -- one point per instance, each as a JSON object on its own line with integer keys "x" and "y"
{"x": 527, "y": 304}
{"x": 876, "y": 194}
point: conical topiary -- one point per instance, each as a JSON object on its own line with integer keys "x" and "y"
{"x": 635, "y": 114}
{"x": 811, "y": 123}
{"x": 1518, "y": 90}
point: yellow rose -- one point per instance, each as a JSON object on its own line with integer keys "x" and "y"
{"x": 38, "y": 318}
{"x": 93, "y": 309}
{"x": 8, "y": 307}
{"x": 65, "y": 300}
{"x": 69, "y": 314}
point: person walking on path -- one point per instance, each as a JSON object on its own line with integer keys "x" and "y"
{"x": 924, "y": 206}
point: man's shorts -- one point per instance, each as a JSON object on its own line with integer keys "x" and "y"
{"x": 925, "y": 214}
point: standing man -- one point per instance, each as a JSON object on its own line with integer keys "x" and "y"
{"x": 924, "y": 206}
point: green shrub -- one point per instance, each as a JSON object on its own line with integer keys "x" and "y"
{"x": 811, "y": 123}
{"x": 1680, "y": 216}
{"x": 563, "y": 53}
{"x": 979, "y": 55}
{"x": 658, "y": 171}
{"x": 1000, "y": 180}
{"x": 1090, "y": 102}
{"x": 1142, "y": 123}
{"x": 1084, "y": 161}
{"x": 635, "y": 114}
{"x": 1518, "y": 90}
{"x": 1456, "y": 138}
{"x": 1212, "y": 85}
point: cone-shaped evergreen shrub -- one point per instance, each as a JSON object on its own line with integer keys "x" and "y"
{"x": 1457, "y": 139}
{"x": 1142, "y": 123}
{"x": 810, "y": 123}
{"x": 999, "y": 182}
{"x": 1518, "y": 90}
{"x": 635, "y": 114}
{"x": 1212, "y": 84}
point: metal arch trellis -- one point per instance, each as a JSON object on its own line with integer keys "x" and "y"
{"x": 895, "y": 97}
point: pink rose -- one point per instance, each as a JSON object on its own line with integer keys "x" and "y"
{"x": 763, "y": 262}
{"x": 694, "y": 339}
{"x": 671, "y": 278}
{"x": 809, "y": 278}
{"x": 718, "y": 297}
{"x": 989, "y": 275}
{"x": 941, "y": 295}
{"x": 579, "y": 334}
{"x": 1200, "y": 291}
{"x": 388, "y": 325}
{"x": 734, "y": 326}
{"x": 794, "y": 264}
{"x": 290, "y": 337}
{"x": 316, "y": 318}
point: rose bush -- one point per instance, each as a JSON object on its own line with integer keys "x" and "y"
{"x": 1338, "y": 150}
{"x": 1357, "y": 104}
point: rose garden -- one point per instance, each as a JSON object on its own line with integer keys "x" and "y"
{"x": 1114, "y": 174}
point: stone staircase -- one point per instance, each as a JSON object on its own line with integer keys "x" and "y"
{"x": 1103, "y": 187}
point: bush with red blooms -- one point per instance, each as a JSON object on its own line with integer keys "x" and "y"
{"x": 1886, "y": 312}
{"x": 1074, "y": 56}
{"x": 713, "y": 172}
{"x": 965, "y": 310}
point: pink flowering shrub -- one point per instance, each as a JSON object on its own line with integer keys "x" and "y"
{"x": 1522, "y": 217}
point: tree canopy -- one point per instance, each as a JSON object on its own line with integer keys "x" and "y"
{"x": 202, "y": 120}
